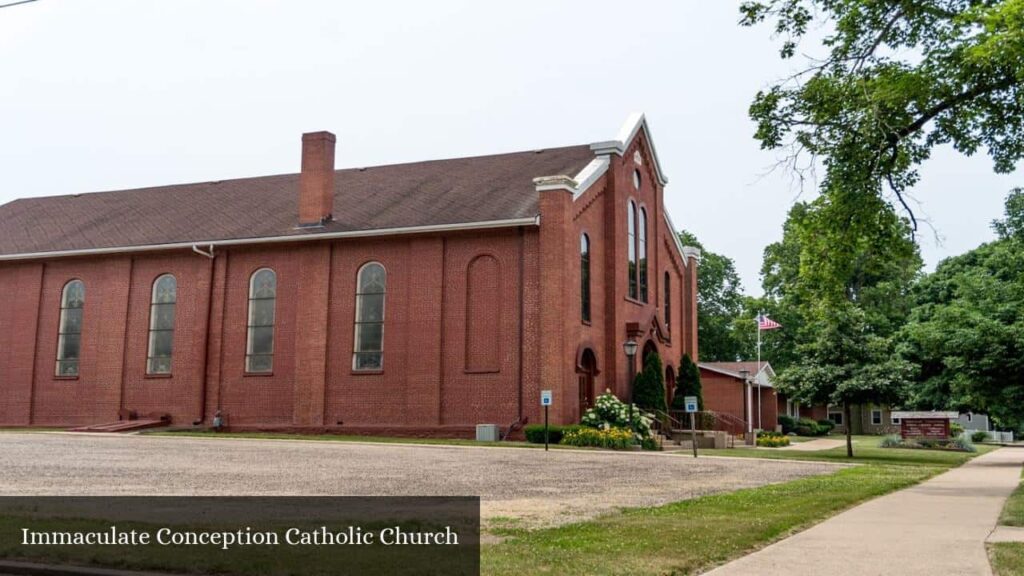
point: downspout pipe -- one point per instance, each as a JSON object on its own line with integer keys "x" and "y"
{"x": 206, "y": 333}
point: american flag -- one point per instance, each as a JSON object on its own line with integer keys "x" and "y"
{"x": 766, "y": 323}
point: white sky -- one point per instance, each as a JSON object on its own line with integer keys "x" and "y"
{"x": 110, "y": 94}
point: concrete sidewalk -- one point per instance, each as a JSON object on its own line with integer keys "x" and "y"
{"x": 937, "y": 527}
{"x": 812, "y": 445}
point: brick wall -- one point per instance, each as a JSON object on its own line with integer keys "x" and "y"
{"x": 456, "y": 353}
{"x": 723, "y": 394}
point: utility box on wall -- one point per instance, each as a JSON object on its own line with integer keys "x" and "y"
{"x": 487, "y": 433}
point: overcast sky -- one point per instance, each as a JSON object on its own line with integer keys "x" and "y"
{"x": 110, "y": 94}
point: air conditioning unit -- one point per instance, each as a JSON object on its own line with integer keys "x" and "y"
{"x": 487, "y": 433}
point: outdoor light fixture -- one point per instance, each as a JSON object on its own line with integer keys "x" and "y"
{"x": 630, "y": 348}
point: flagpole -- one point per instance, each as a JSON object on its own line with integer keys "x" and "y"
{"x": 759, "y": 315}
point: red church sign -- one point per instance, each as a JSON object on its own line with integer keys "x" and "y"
{"x": 924, "y": 428}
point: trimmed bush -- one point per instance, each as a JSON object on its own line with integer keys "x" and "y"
{"x": 979, "y": 436}
{"x": 535, "y": 433}
{"x": 826, "y": 426}
{"x": 955, "y": 429}
{"x": 610, "y": 412}
{"x": 772, "y": 441}
{"x": 788, "y": 424}
{"x": 614, "y": 438}
{"x": 688, "y": 384}
{"x": 809, "y": 427}
{"x": 649, "y": 385}
{"x": 963, "y": 442}
{"x": 891, "y": 441}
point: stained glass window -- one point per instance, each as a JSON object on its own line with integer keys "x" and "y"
{"x": 371, "y": 285}
{"x": 259, "y": 350}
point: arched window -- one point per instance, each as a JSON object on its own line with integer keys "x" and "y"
{"x": 161, "y": 325}
{"x": 631, "y": 238}
{"x": 371, "y": 285}
{"x": 259, "y": 349}
{"x": 585, "y": 277}
{"x": 69, "y": 333}
{"x": 642, "y": 248}
{"x": 668, "y": 301}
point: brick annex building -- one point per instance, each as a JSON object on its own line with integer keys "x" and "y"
{"x": 419, "y": 298}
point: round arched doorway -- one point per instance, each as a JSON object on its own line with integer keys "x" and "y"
{"x": 586, "y": 372}
{"x": 649, "y": 348}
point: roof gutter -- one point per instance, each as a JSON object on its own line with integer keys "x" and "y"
{"x": 488, "y": 224}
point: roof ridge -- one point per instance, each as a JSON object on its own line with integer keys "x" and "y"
{"x": 162, "y": 187}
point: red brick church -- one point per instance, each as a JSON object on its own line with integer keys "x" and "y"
{"x": 419, "y": 298}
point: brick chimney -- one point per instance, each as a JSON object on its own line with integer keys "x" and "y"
{"x": 316, "y": 184}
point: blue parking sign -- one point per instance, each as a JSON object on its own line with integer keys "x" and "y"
{"x": 691, "y": 403}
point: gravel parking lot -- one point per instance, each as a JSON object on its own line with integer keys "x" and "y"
{"x": 527, "y": 485}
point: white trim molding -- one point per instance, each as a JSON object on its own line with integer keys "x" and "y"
{"x": 590, "y": 173}
{"x": 556, "y": 182}
{"x": 576, "y": 184}
{"x": 634, "y": 123}
{"x": 691, "y": 252}
{"x": 762, "y": 379}
{"x": 685, "y": 252}
{"x": 210, "y": 244}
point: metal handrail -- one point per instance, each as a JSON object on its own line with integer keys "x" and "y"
{"x": 723, "y": 421}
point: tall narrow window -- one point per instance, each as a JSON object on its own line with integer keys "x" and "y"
{"x": 371, "y": 284}
{"x": 642, "y": 248}
{"x": 69, "y": 333}
{"x": 259, "y": 349}
{"x": 161, "y": 325}
{"x": 631, "y": 238}
{"x": 668, "y": 302}
{"x": 585, "y": 277}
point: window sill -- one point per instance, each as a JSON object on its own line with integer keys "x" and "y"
{"x": 157, "y": 376}
{"x": 367, "y": 372}
{"x": 635, "y": 301}
{"x": 586, "y": 322}
{"x": 483, "y": 371}
{"x": 65, "y": 377}
{"x": 256, "y": 374}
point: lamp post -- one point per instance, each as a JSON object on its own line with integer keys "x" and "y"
{"x": 629, "y": 347}
{"x": 745, "y": 375}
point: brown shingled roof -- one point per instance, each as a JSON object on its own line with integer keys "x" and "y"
{"x": 478, "y": 189}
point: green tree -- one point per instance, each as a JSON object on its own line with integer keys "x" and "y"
{"x": 845, "y": 363}
{"x": 719, "y": 302}
{"x": 649, "y": 384}
{"x": 688, "y": 384}
{"x": 897, "y": 79}
{"x": 832, "y": 251}
{"x": 966, "y": 332}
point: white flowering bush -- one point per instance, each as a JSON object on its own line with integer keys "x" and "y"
{"x": 610, "y": 412}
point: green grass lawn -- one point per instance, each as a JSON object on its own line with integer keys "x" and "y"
{"x": 1013, "y": 511}
{"x": 865, "y": 451}
{"x": 685, "y": 537}
{"x": 1007, "y": 558}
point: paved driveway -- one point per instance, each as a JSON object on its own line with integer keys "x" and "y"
{"x": 528, "y": 484}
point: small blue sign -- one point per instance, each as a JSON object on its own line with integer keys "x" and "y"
{"x": 545, "y": 397}
{"x": 691, "y": 403}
